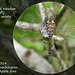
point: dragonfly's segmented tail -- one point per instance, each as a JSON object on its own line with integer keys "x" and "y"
{"x": 50, "y": 40}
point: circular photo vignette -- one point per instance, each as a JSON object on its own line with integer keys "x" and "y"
{"x": 33, "y": 44}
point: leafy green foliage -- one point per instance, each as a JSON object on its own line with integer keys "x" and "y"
{"x": 30, "y": 15}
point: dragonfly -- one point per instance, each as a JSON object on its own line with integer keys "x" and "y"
{"x": 50, "y": 29}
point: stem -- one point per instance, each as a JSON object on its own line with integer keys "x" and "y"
{"x": 41, "y": 12}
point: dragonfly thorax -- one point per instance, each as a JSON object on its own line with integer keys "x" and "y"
{"x": 50, "y": 28}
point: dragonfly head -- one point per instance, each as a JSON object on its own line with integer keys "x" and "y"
{"x": 49, "y": 22}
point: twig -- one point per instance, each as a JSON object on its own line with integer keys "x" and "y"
{"x": 57, "y": 38}
{"x": 24, "y": 26}
{"x": 41, "y": 12}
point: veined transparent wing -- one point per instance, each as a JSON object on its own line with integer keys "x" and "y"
{"x": 66, "y": 32}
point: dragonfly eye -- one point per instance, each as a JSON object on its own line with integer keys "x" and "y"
{"x": 46, "y": 24}
{"x": 52, "y": 21}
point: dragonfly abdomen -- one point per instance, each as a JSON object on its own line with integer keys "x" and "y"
{"x": 50, "y": 40}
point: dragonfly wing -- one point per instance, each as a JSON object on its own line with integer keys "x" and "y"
{"x": 69, "y": 32}
{"x": 68, "y": 36}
